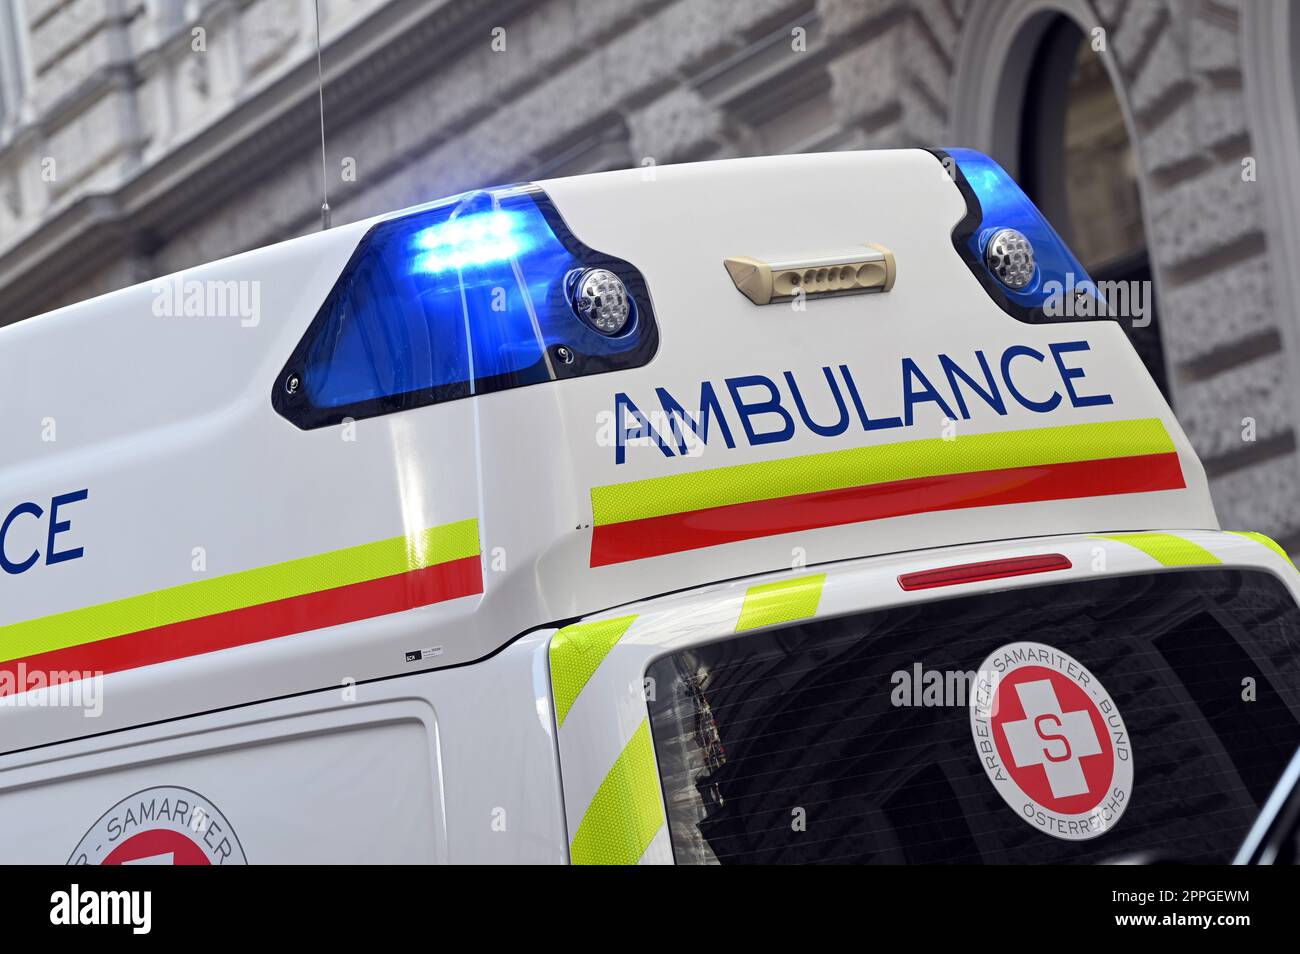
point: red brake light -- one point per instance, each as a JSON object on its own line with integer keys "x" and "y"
{"x": 987, "y": 570}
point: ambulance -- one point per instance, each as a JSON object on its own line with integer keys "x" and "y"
{"x": 796, "y": 509}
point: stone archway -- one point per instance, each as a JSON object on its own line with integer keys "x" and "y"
{"x": 1177, "y": 71}
{"x": 1056, "y": 84}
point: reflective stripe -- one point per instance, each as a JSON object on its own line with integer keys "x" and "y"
{"x": 279, "y": 584}
{"x": 576, "y": 651}
{"x": 881, "y": 463}
{"x": 1168, "y": 549}
{"x": 1266, "y": 541}
{"x": 663, "y": 515}
{"x": 626, "y": 812}
{"x": 782, "y": 602}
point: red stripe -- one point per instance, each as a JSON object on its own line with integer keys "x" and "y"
{"x": 656, "y": 536}
{"x": 254, "y": 624}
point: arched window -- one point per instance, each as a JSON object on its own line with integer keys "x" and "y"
{"x": 1078, "y": 164}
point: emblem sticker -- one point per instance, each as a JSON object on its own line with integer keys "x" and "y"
{"x": 160, "y": 826}
{"x": 1052, "y": 741}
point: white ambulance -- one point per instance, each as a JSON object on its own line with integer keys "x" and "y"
{"x": 800, "y": 509}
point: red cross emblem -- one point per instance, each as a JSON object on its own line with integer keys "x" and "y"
{"x": 1052, "y": 739}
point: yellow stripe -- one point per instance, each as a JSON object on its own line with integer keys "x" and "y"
{"x": 1266, "y": 541}
{"x": 863, "y": 466}
{"x": 576, "y": 652}
{"x": 782, "y": 602}
{"x": 207, "y": 597}
{"x": 626, "y": 812}
{"x": 1167, "y": 548}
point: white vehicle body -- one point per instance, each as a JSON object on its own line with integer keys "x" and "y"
{"x": 416, "y": 725}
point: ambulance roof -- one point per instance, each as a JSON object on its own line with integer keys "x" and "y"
{"x": 408, "y": 420}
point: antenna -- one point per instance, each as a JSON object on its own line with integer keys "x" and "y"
{"x": 320, "y": 92}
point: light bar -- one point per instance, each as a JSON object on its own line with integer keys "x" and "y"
{"x": 1003, "y": 207}
{"x": 460, "y": 298}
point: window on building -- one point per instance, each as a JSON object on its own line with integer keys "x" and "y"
{"x": 11, "y": 67}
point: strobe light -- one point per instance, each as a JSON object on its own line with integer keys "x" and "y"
{"x": 1011, "y": 258}
{"x": 600, "y": 299}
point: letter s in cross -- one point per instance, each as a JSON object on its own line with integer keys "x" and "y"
{"x": 1052, "y": 737}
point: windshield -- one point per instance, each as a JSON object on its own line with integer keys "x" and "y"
{"x": 1143, "y": 715}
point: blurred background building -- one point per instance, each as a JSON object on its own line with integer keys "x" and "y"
{"x": 1162, "y": 137}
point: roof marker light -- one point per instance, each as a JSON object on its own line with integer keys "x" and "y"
{"x": 986, "y": 570}
{"x": 867, "y": 268}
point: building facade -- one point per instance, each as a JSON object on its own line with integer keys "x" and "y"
{"x": 140, "y": 137}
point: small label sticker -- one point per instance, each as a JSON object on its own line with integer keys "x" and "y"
{"x": 418, "y": 655}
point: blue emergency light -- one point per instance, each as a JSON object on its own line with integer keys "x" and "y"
{"x": 471, "y": 241}
{"x": 469, "y": 295}
{"x": 1002, "y": 205}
